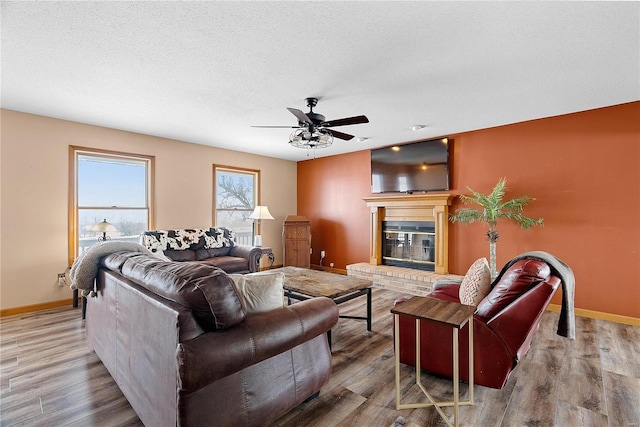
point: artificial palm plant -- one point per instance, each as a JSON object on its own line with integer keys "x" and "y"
{"x": 492, "y": 208}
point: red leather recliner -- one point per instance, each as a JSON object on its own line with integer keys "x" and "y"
{"x": 504, "y": 324}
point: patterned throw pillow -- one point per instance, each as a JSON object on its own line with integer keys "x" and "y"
{"x": 155, "y": 241}
{"x": 475, "y": 284}
{"x": 219, "y": 237}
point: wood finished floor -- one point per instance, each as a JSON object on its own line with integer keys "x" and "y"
{"x": 49, "y": 378}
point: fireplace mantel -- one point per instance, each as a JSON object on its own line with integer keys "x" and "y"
{"x": 410, "y": 207}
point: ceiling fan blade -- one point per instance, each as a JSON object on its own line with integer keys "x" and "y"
{"x": 340, "y": 135}
{"x": 302, "y": 117}
{"x": 279, "y": 127}
{"x": 348, "y": 121}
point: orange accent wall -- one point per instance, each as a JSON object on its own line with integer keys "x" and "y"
{"x": 582, "y": 168}
{"x": 330, "y": 192}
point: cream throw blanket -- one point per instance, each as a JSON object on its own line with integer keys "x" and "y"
{"x": 85, "y": 268}
{"x": 567, "y": 321}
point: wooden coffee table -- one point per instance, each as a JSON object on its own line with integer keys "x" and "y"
{"x": 302, "y": 283}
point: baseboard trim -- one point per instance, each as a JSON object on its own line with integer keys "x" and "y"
{"x": 627, "y": 320}
{"x": 329, "y": 269}
{"x": 35, "y": 307}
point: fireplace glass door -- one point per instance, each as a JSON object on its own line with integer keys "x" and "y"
{"x": 409, "y": 244}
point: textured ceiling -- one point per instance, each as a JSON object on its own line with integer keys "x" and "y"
{"x": 204, "y": 72}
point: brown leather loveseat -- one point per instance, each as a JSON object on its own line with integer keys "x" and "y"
{"x": 504, "y": 322}
{"x": 176, "y": 338}
{"x": 215, "y": 246}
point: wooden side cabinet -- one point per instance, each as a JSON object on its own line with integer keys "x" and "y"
{"x": 296, "y": 236}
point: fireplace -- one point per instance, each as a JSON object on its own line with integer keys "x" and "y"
{"x": 409, "y": 234}
{"x": 410, "y": 230}
{"x": 410, "y": 244}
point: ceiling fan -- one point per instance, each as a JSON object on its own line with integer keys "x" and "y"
{"x": 313, "y": 130}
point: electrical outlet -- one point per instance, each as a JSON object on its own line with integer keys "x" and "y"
{"x": 331, "y": 264}
{"x": 61, "y": 280}
{"x": 323, "y": 254}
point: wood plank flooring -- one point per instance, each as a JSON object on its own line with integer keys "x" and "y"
{"x": 48, "y": 377}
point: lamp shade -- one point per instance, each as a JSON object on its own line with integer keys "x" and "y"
{"x": 103, "y": 227}
{"x": 261, "y": 212}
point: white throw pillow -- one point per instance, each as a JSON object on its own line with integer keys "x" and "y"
{"x": 260, "y": 292}
{"x": 475, "y": 284}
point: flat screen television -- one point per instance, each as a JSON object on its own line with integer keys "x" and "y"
{"x": 416, "y": 167}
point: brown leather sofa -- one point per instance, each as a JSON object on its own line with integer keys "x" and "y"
{"x": 177, "y": 341}
{"x": 504, "y": 324}
{"x": 215, "y": 246}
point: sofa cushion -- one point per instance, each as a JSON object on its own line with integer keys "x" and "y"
{"x": 184, "y": 255}
{"x": 205, "y": 253}
{"x": 260, "y": 292}
{"x": 476, "y": 283}
{"x": 229, "y": 264}
{"x": 516, "y": 280}
{"x": 209, "y": 292}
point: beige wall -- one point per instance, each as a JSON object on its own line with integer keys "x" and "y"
{"x": 34, "y": 195}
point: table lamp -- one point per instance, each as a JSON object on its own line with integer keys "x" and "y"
{"x": 103, "y": 227}
{"x": 260, "y": 212}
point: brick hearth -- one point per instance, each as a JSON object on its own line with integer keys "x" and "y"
{"x": 408, "y": 280}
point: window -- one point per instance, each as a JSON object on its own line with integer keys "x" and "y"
{"x": 235, "y": 196}
{"x": 111, "y": 186}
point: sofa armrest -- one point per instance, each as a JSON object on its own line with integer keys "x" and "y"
{"x": 215, "y": 355}
{"x": 250, "y": 253}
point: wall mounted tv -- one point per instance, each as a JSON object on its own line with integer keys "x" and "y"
{"x": 411, "y": 168}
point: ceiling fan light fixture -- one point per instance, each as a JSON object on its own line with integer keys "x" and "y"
{"x": 306, "y": 138}
{"x": 312, "y": 130}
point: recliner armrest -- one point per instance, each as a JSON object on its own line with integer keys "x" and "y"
{"x": 450, "y": 291}
{"x": 446, "y": 282}
{"x": 215, "y": 355}
{"x": 515, "y": 322}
